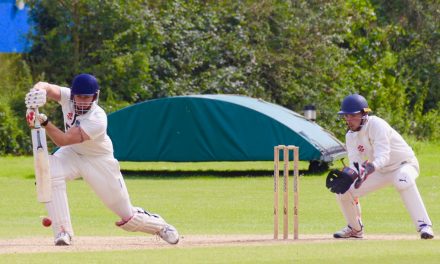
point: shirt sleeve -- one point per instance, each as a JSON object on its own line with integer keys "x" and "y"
{"x": 94, "y": 126}
{"x": 380, "y": 137}
{"x": 65, "y": 95}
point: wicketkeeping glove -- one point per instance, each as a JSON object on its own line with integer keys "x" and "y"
{"x": 35, "y": 98}
{"x": 31, "y": 115}
{"x": 366, "y": 169}
{"x": 340, "y": 181}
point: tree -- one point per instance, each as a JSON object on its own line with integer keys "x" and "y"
{"x": 111, "y": 39}
{"x": 15, "y": 81}
{"x": 204, "y": 49}
{"x": 416, "y": 40}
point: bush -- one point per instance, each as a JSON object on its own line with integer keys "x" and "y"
{"x": 428, "y": 127}
{"x": 15, "y": 81}
{"x": 11, "y": 137}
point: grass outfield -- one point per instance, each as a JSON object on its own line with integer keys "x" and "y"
{"x": 344, "y": 252}
{"x": 223, "y": 205}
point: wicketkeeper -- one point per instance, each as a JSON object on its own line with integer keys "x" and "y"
{"x": 378, "y": 157}
{"x": 86, "y": 151}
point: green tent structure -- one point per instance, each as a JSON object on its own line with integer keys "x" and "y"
{"x": 215, "y": 128}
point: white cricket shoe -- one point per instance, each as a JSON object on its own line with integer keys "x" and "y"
{"x": 348, "y": 232}
{"x": 426, "y": 232}
{"x": 63, "y": 239}
{"x": 169, "y": 234}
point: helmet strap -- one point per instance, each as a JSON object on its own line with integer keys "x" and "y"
{"x": 363, "y": 122}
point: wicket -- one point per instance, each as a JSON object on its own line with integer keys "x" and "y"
{"x": 276, "y": 175}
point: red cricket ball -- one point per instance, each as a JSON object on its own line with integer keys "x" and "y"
{"x": 46, "y": 221}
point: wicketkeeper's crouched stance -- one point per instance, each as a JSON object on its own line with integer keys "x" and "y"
{"x": 86, "y": 151}
{"x": 378, "y": 157}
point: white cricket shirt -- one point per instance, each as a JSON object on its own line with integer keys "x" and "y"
{"x": 93, "y": 123}
{"x": 379, "y": 143}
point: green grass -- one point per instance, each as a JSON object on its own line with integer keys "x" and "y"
{"x": 341, "y": 252}
{"x": 223, "y": 205}
{"x": 211, "y": 205}
{"x": 16, "y": 167}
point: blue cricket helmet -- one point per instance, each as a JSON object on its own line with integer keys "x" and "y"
{"x": 84, "y": 84}
{"x": 353, "y": 104}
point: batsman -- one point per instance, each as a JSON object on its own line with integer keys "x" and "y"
{"x": 379, "y": 157}
{"x": 86, "y": 151}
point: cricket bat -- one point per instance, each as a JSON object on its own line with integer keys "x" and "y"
{"x": 41, "y": 162}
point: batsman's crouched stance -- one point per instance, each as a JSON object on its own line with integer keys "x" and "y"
{"x": 86, "y": 151}
{"x": 386, "y": 160}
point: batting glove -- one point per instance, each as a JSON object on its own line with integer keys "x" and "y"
{"x": 35, "y": 98}
{"x": 31, "y": 118}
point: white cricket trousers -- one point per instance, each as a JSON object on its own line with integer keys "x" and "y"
{"x": 102, "y": 174}
{"x": 404, "y": 181}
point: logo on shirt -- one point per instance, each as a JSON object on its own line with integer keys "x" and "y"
{"x": 69, "y": 116}
{"x": 361, "y": 148}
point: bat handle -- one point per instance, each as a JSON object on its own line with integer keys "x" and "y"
{"x": 37, "y": 120}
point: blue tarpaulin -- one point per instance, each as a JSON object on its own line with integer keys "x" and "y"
{"x": 14, "y": 26}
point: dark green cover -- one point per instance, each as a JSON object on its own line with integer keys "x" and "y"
{"x": 215, "y": 128}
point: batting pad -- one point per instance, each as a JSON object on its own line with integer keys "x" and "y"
{"x": 142, "y": 222}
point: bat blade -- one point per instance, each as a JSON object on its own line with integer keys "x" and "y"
{"x": 41, "y": 165}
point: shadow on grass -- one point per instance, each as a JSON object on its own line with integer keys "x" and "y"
{"x": 30, "y": 176}
{"x": 180, "y": 174}
{"x": 206, "y": 173}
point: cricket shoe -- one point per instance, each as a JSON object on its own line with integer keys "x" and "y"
{"x": 348, "y": 232}
{"x": 169, "y": 234}
{"x": 426, "y": 232}
{"x": 63, "y": 239}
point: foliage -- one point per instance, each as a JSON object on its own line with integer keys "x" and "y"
{"x": 15, "y": 76}
{"x": 110, "y": 40}
{"x": 15, "y": 80}
{"x": 298, "y": 54}
{"x": 10, "y": 135}
{"x": 204, "y": 49}
{"x": 415, "y": 39}
{"x": 428, "y": 126}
